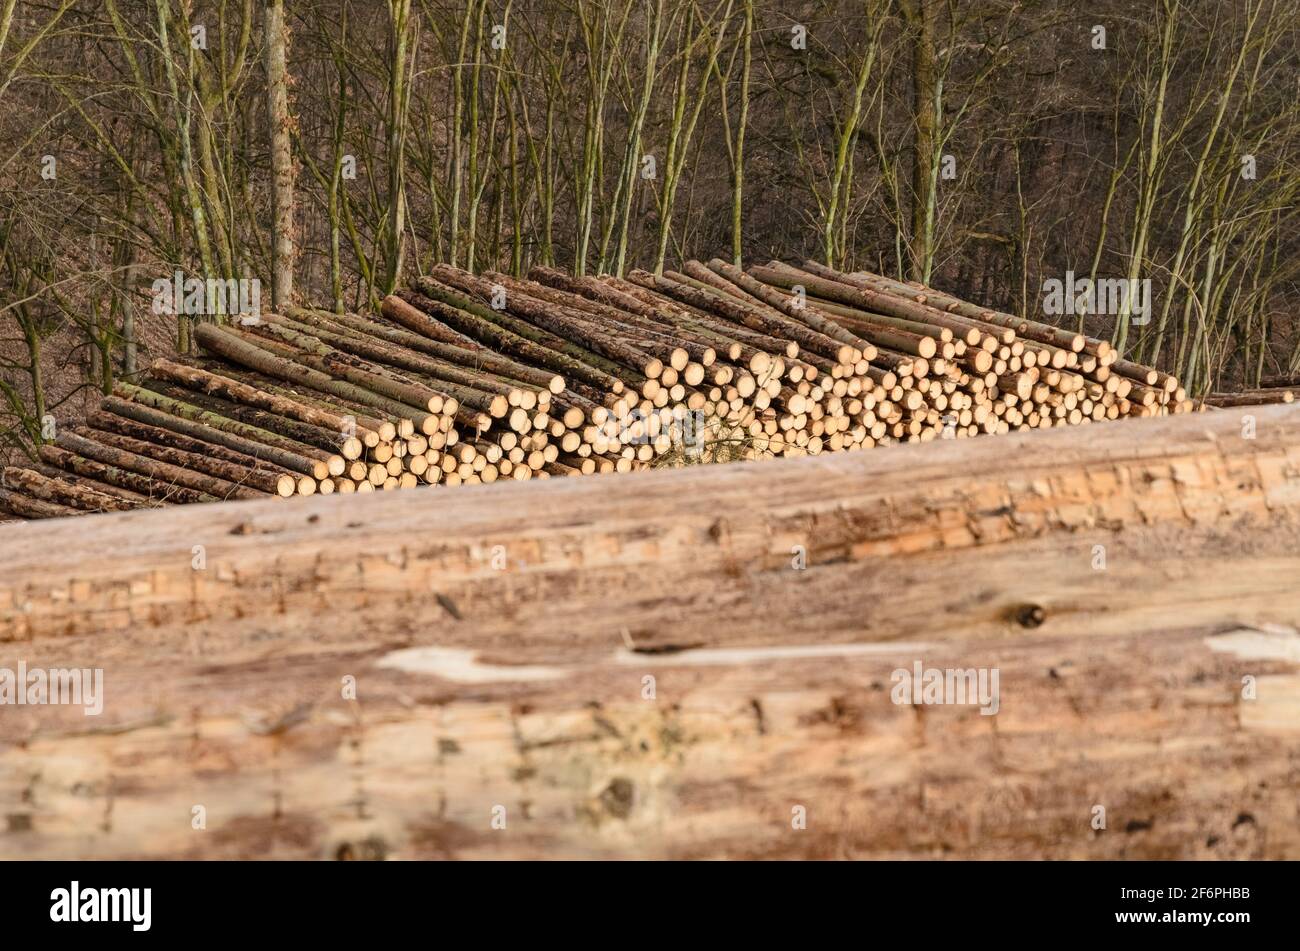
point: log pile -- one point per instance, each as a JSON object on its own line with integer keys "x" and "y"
{"x": 466, "y": 378}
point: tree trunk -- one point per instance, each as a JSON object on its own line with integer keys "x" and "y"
{"x": 282, "y": 231}
{"x": 921, "y": 15}
{"x": 398, "y": 99}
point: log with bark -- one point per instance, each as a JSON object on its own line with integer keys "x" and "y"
{"x": 62, "y": 492}
{"x": 752, "y": 677}
{"x": 1261, "y": 396}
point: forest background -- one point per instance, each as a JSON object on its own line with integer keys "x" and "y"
{"x": 332, "y": 149}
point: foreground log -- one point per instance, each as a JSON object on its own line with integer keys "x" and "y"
{"x": 744, "y": 675}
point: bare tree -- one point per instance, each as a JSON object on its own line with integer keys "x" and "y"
{"x": 282, "y": 173}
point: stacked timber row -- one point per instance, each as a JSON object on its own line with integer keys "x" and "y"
{"x": 466, "y": 378}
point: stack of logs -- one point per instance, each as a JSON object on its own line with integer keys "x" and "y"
{"x": 475, "y": 378}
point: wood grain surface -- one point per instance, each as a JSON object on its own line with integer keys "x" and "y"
{"x": 499, "y": 640}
